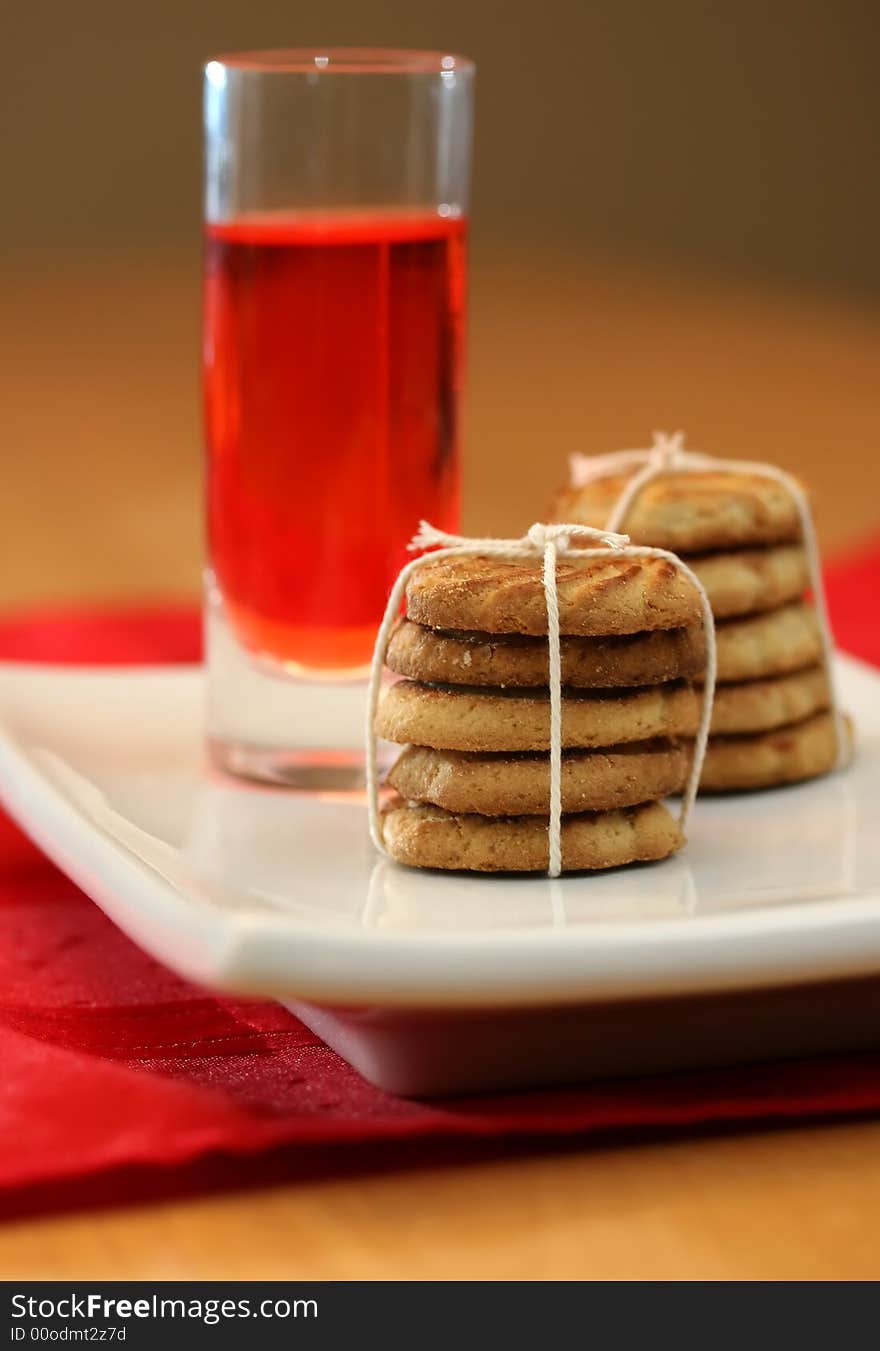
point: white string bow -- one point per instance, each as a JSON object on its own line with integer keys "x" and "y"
{"x": 549, "y": 542}
{"x": 668, "y": 456}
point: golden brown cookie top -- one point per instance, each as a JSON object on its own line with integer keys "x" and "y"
{"x": 596, "y": 596}
{"x": 689, "y": 512}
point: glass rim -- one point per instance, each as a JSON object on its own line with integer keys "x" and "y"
{"x": 344, "y": 61}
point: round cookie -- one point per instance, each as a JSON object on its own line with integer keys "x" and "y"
{"x": 752, "y": 580}
{"x": 689, "y": 512}
{"x": 468, "y": 719}
{"x": 758, "y": 705}
{"x": 513, "y": 659}
{"x": 774, "y": 643}
{"x": 769, "y": 759}
{"x": 516, "y": 785}
{"x": 597, "y": 596}
{"x": 429, "y": 837}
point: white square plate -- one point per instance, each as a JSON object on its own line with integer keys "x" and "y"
{"x": 433, "y": 982}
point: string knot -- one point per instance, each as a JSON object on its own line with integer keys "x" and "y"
{"x": 541, "y": 535}
{"x": 667, "y": 450}
{"x": 535, "y": 540}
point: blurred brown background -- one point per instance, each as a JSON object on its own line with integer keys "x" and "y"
{"x": 676, "y": 215}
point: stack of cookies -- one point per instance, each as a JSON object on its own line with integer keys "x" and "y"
{"x": 741, "y": 535}
{"x": 472, "y": 711}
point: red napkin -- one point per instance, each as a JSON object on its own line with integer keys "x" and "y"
{"x": 113, "y": 1068}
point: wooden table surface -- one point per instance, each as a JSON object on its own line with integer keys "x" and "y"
{"x": 98, "y": 371}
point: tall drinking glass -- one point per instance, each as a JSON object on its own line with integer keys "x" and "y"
{"x": 336, "y": 198}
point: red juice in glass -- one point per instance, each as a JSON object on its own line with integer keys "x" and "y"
{"x": 336, "y": 203}
{"x": 332, "y": 368}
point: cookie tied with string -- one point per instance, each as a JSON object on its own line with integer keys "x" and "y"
{"x": 746, "y": 530}
{"x": 708, "y": 509}
{"x": 597, "y": 596}
{"x": 424, "y": 836}
{"x": 514, "y": 660}
{"x": 548, "y": 703}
